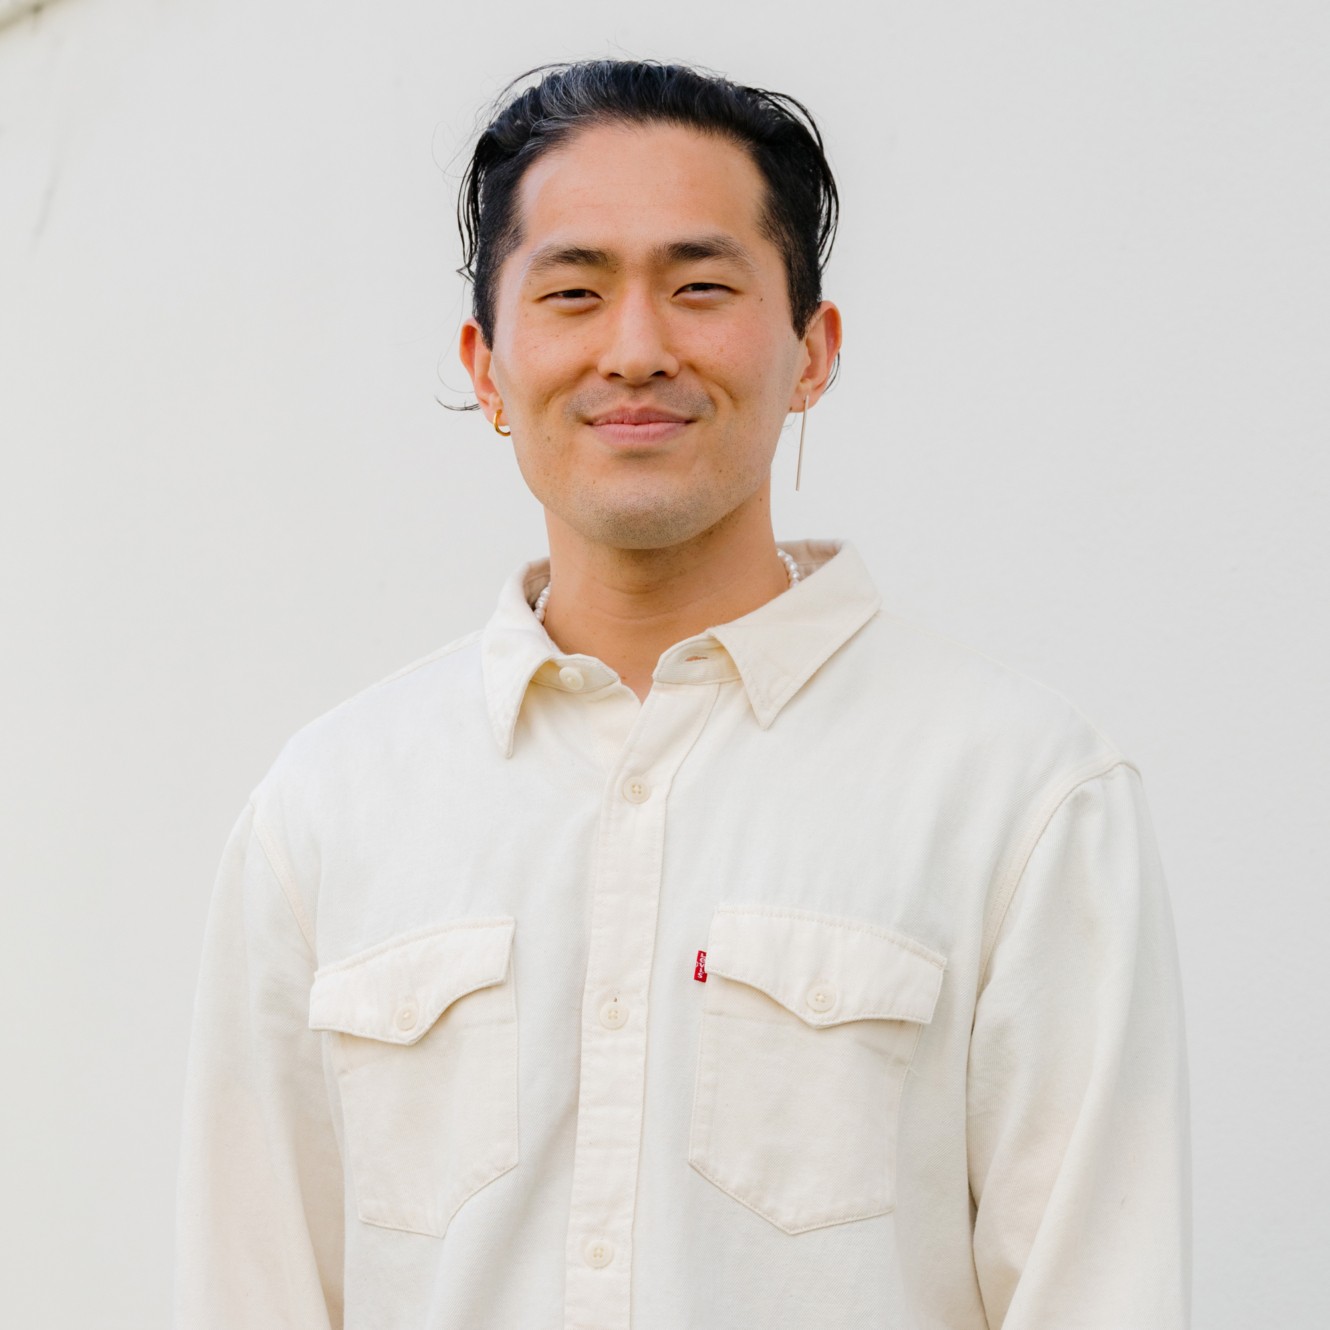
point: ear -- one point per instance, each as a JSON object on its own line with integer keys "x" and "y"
{"x": 478, "y": 359}
{"x": 821, "y": 343}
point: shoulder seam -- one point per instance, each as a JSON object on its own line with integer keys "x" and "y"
{"x": 1025, "y": 847}
{"x": 281, "y": 870}
{"x": 272, "y": 851}
{"x": 1003, "y": 666}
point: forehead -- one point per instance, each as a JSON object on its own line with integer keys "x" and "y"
{"x": 625, "y": 188}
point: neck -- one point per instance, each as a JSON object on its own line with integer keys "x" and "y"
{"x": 627, "y": 606}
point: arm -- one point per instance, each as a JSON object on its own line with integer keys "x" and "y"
{"x": 259, "y": 1203}
{"x": 1077, "y": 1092}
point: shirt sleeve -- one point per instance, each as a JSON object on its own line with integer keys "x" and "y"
{"x": 259, "y": 1218}
{"x": 1077, "y": 1111}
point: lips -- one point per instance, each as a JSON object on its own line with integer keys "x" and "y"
{"x": 636, "y": 427}
{"x": 639, "y": 416}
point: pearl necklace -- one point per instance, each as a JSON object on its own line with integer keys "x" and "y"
{"x": 791, "y": 568}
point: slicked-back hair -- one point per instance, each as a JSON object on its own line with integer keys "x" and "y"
{"x": 778, "y": 133}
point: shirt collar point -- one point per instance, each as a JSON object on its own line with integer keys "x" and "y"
{"x": 781, "y": 645}
{"x": 504, "y": 730}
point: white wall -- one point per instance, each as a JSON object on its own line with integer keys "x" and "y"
{"x": 1081, "y": 425}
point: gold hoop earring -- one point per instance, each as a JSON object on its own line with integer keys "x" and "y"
{"x": 502, "y": 433}
{"x": 803, "y": 426}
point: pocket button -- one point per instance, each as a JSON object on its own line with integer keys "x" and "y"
{"x": 821, "y": 997}
{"x": 406, "y": 1018}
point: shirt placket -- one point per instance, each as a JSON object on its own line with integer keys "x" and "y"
{"x": 612, "y": 1086}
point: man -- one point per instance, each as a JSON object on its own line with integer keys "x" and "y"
{"x": 699, "y": 943}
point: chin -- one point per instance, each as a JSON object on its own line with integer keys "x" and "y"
{"x": 644, "y": 526}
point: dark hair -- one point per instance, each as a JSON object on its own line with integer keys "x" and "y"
{"x": 778, "y": 132}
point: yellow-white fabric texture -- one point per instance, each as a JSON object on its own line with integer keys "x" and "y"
{"x": 458, "y": 1060}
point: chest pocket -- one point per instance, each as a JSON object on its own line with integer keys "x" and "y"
{"x": 424, "y": 1046}
{"x": 808, "y": 1028}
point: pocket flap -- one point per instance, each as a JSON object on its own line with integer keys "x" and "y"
{"x": 823, "y": 969}
{"x": 396, "y": 990}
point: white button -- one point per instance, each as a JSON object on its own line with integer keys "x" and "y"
{"x": 614, "y": 1014}
{"x": 636, "y": 790}
{"x": 406, "y": 1018}
{"x": 599, "y": 1252}
{"x": 821, "y": 997}
{"x": 572, "y": 679}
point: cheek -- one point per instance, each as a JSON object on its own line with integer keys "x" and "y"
{"x": 754, "y": 356}
{"x": 536, "y": 364}
{"x": 758, "y": 375}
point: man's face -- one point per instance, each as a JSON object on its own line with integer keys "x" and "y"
{"x": 643, "y": 348}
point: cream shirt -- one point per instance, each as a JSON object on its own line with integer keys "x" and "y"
{"x": 834, "y": 985}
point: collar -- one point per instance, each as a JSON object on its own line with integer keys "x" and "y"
{"x": 774, "y": 650}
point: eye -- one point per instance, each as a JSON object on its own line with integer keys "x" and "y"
{"x": 573, "y": 293}
{"x": 703, "y": 295}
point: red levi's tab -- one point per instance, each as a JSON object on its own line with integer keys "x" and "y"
{"x": 700, "y": 969}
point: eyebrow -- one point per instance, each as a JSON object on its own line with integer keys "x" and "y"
{"x": 567, "y": 256}
{"x": 689, "y": 250}
{"x": 704, "y": 247}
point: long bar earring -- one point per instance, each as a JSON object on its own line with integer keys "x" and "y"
{"x": 803, "y": 426}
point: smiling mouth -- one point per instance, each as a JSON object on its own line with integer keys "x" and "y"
{"x": 629, "y": 429}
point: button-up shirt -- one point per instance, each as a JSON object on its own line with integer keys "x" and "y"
{"x": 832, "y": 985}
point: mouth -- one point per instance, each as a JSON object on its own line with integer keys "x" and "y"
{"x": 638, "y": 426}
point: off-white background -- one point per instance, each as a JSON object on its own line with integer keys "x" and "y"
{"x": 1082, "y": 424}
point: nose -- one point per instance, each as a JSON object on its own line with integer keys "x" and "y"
{"x": 638, "y": 347}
